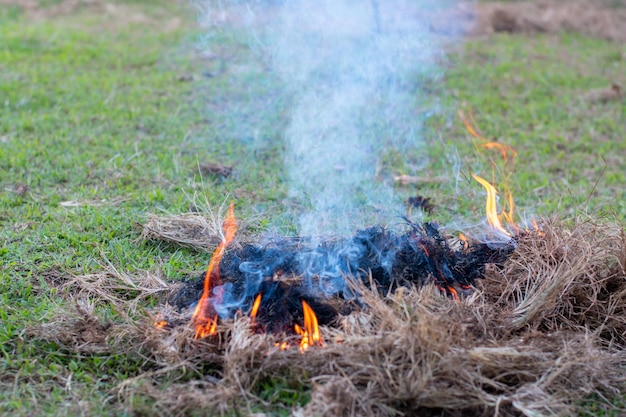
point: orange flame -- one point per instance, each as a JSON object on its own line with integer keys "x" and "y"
{"x": 255, "y": 307}
{"x": 463, "y": 239}
{"x": 282, "y": 346}
{"x": 311, "y": 332}
{"x": 491, "y": 206}
{"x": 503, "y": 149}
{"x": 205, "y": 317}
{"x": 508, "y": 211}
{"x": 470, "y": 126}
{"x": 161, "y": 324}
{"x": 454, "y": 293}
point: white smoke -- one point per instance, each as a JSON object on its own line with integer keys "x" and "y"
{"x": 351, "y": 70}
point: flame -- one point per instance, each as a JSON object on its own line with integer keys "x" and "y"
{"x": 282, "y": 346}
{"x": 503, "y": 149}
{"x": 255, "y": 308}
{"x": 535, "y": 225}
{"x": 205, "y": 317}
{"x": 470, "y": 126}
{"x": 508, "y": 211}
{"x": 454, "y": 293}
{"x": 491, "y": 206}
{"x": 536, "y": 228}
{"x": 160, "y": 324}
{"x": 464, "y": 241}
{"x": 311, "y": 332}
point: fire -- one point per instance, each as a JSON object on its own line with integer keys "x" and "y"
{"x": 311, "y": 332}
{"x": 464, "y": 241}
{"x": 509, "y": 210}
{"x": 508, "y": 154}
{"x": 454, "y": 293}
{"x": 505, "y": 150}
{"x": 205, "y": 317}
{"x": 536, "y": 228}
{"x": 470, "y": 126}
{"x": 491, "y": 206}
{"x": 255, "y": 308}
{"x": 282, "y": 346}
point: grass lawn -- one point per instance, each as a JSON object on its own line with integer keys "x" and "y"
{"x": 108, "y": 110}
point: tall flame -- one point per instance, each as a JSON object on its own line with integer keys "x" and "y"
{"x": 205, "y": 316}
{"x": 311, "y": 332}
{"x": 491, "y": 206}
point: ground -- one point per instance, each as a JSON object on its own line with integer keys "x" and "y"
{"x": 113, "y": 110}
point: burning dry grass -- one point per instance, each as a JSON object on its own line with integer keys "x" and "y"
{"x": 537, "y": 338}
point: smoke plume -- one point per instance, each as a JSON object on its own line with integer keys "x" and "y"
{"x": 351, "y": 73}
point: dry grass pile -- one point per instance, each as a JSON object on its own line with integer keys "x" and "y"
{"x": 538, "y": 337}
{"x": 193, "y": 230}
{"x": 200, "y": 230}
{"x": 83, "y": 328}
{"x": 595, "y": 18}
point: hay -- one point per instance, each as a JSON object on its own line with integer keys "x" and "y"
{"x": 591, "y": 18}
{"x": 540, "y": 335}
{"x": 200, "y": 230}
{"x": 192, "y": 230}
{"x": 77, "y": 327}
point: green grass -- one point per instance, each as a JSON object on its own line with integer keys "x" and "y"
{"x": 531, "y": 92}
{"x": 93, "y": 112}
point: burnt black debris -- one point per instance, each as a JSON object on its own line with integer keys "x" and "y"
{"x": 286, "y": 271}
{"x": 421, "y": 203}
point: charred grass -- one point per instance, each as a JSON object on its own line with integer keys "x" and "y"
{"x": 106, "y": 121}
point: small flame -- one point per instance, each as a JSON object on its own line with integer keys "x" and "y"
{"x": 535, "y": 225}
{"x": 464, "y": 241}
{"x": 509, "y": 210}
{"x": 282, "y": 346}
{"x": 160, "y": 324}
{"x": 491, "y": 206}
{"x": 470, "y": 126}
{"x": 311, "y": 332}
{"x": 454, "y": 293}
{"x": 205, "y": 317}
{"x": 255, "y": 308}
{"x": 504, "y": 150}
{"x": 536, "y": 228}
{"x": 206, "y": 327}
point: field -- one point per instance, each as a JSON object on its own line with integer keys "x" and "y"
{"x": 114, "y": 111}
